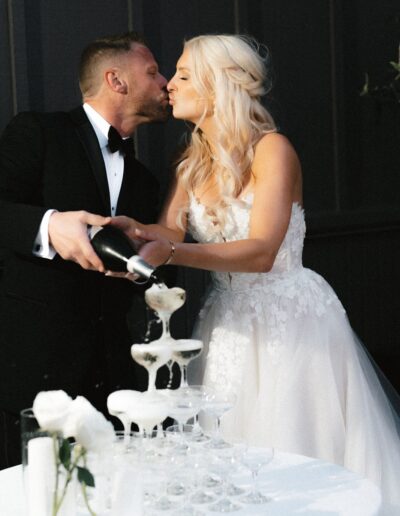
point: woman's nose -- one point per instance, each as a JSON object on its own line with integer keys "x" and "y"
{"x": 171, "y": 85}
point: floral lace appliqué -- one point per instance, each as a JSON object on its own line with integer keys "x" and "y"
{"x": 267, "y": 299}
{"x": 225, "y": 358}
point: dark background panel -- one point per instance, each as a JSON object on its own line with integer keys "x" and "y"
{"x": 349, "y": 146}
{"x": 54, "y": 36}
{"x": 6, "y": 93}
{"x": 362, "y": 267}
{"x": 298, "y": 35}
{"x": 71, "y": 18}
{"x": 371, "y": 34}
{"x": 19, "y": 57}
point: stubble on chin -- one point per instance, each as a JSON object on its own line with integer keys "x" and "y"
{"x": 154, "y": 111}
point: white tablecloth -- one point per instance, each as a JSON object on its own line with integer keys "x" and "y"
{"x": 299, "y": 486}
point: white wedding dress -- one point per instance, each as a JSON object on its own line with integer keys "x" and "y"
{"x": 281, "y": 340}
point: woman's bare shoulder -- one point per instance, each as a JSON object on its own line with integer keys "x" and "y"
{"x": 273, "y": 143}
{"x": 273, "y": 154}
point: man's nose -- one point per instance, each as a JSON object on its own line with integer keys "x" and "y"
{"x": 163, "y": 82}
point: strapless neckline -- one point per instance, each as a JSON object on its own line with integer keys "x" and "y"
{"x": 248, "y": 197}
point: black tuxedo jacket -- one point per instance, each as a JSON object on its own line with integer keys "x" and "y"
{"x": 62, "y": 327}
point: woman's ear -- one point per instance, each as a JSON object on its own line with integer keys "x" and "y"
{"x": 115, "y": 82}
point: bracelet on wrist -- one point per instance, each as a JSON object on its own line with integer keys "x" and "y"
{"x": 171, "y": 254}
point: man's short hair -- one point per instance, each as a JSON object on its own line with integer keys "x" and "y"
{"x": 99, "y": 50}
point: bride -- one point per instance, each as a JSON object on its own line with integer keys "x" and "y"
{"x": 275, "y": 331}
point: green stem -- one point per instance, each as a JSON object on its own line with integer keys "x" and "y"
{"x": 85, "y": 497}
{"x": 84, "y": 491}
{"x": 80, "y": 453}
{"x": 67, "y": 481}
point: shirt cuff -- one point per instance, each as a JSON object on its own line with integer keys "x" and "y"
{"x": 41, "y": 246}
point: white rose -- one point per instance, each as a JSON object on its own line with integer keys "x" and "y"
{"x": 50, "y": 409}
{"x": 88, "y": 426}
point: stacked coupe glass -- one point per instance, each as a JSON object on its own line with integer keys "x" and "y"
{"x": 181, "y": 468}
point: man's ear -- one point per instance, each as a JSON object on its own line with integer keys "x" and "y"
{"x": 115, "y": 82}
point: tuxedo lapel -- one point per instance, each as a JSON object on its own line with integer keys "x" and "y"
{"x": 138, "y": 197}
{"x": 90, "y": 143}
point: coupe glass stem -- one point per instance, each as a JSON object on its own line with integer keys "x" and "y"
{"x": 184, "y": 382}
{"x": 217, "y": 429}
{"x": 165, "y": 335}
{"x": 169, "y": 365}
{"x": 152, "y": 380}
{"x": 254, "y": 475}
{"x": 196, "y": 424}
{"x": 165, "y": 324}
{"x": 127, "y": 430}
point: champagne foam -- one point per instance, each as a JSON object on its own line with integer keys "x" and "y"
{"x": 163, "y": 299}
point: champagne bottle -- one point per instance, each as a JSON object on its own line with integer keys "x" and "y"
{"x": 117, "y": 252}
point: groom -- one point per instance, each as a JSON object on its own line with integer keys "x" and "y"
{"x": 63, "y": 323}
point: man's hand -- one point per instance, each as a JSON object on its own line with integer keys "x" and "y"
{"x": 69, "y": 236}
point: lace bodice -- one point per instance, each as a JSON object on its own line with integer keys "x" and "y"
{"x": 288, "y": 259}
{"x": 272, "y": 301}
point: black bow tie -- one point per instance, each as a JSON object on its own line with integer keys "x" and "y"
{"x": 115, "y": 143}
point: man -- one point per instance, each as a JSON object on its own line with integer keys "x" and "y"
{"x": 64, "y": 325}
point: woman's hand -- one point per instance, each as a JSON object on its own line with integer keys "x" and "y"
{"x": 127, "y": 225}
{"x": 156, "y": 250}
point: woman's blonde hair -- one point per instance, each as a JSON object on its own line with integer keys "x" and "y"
{"x": 228, "y": 71}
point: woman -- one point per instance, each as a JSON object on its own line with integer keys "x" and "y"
{"x": 276, "y": 333}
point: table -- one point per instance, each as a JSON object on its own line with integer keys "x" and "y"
{"x": 299, "y": 486}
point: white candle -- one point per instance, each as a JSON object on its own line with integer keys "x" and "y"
{"x": 41, "y": 473}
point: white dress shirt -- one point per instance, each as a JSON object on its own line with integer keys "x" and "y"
{"x": 114, "y": 164}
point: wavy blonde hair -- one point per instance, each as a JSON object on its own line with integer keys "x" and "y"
{"x": 229, "y": 71}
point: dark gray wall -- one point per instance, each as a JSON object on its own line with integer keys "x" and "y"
{"x": 348, "y": 145}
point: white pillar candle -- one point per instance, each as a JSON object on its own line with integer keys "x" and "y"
{"x": 41, "y": 473}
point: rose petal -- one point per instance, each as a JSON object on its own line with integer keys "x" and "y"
{"x": 50, "y": 409}
{"x": 87, "y": 425}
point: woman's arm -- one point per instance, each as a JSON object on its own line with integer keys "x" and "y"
{"x": 167, "y": 226}
{"x": 277, "y": 185}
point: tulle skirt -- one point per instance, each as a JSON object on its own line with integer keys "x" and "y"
{"x": 303, "y": 381}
